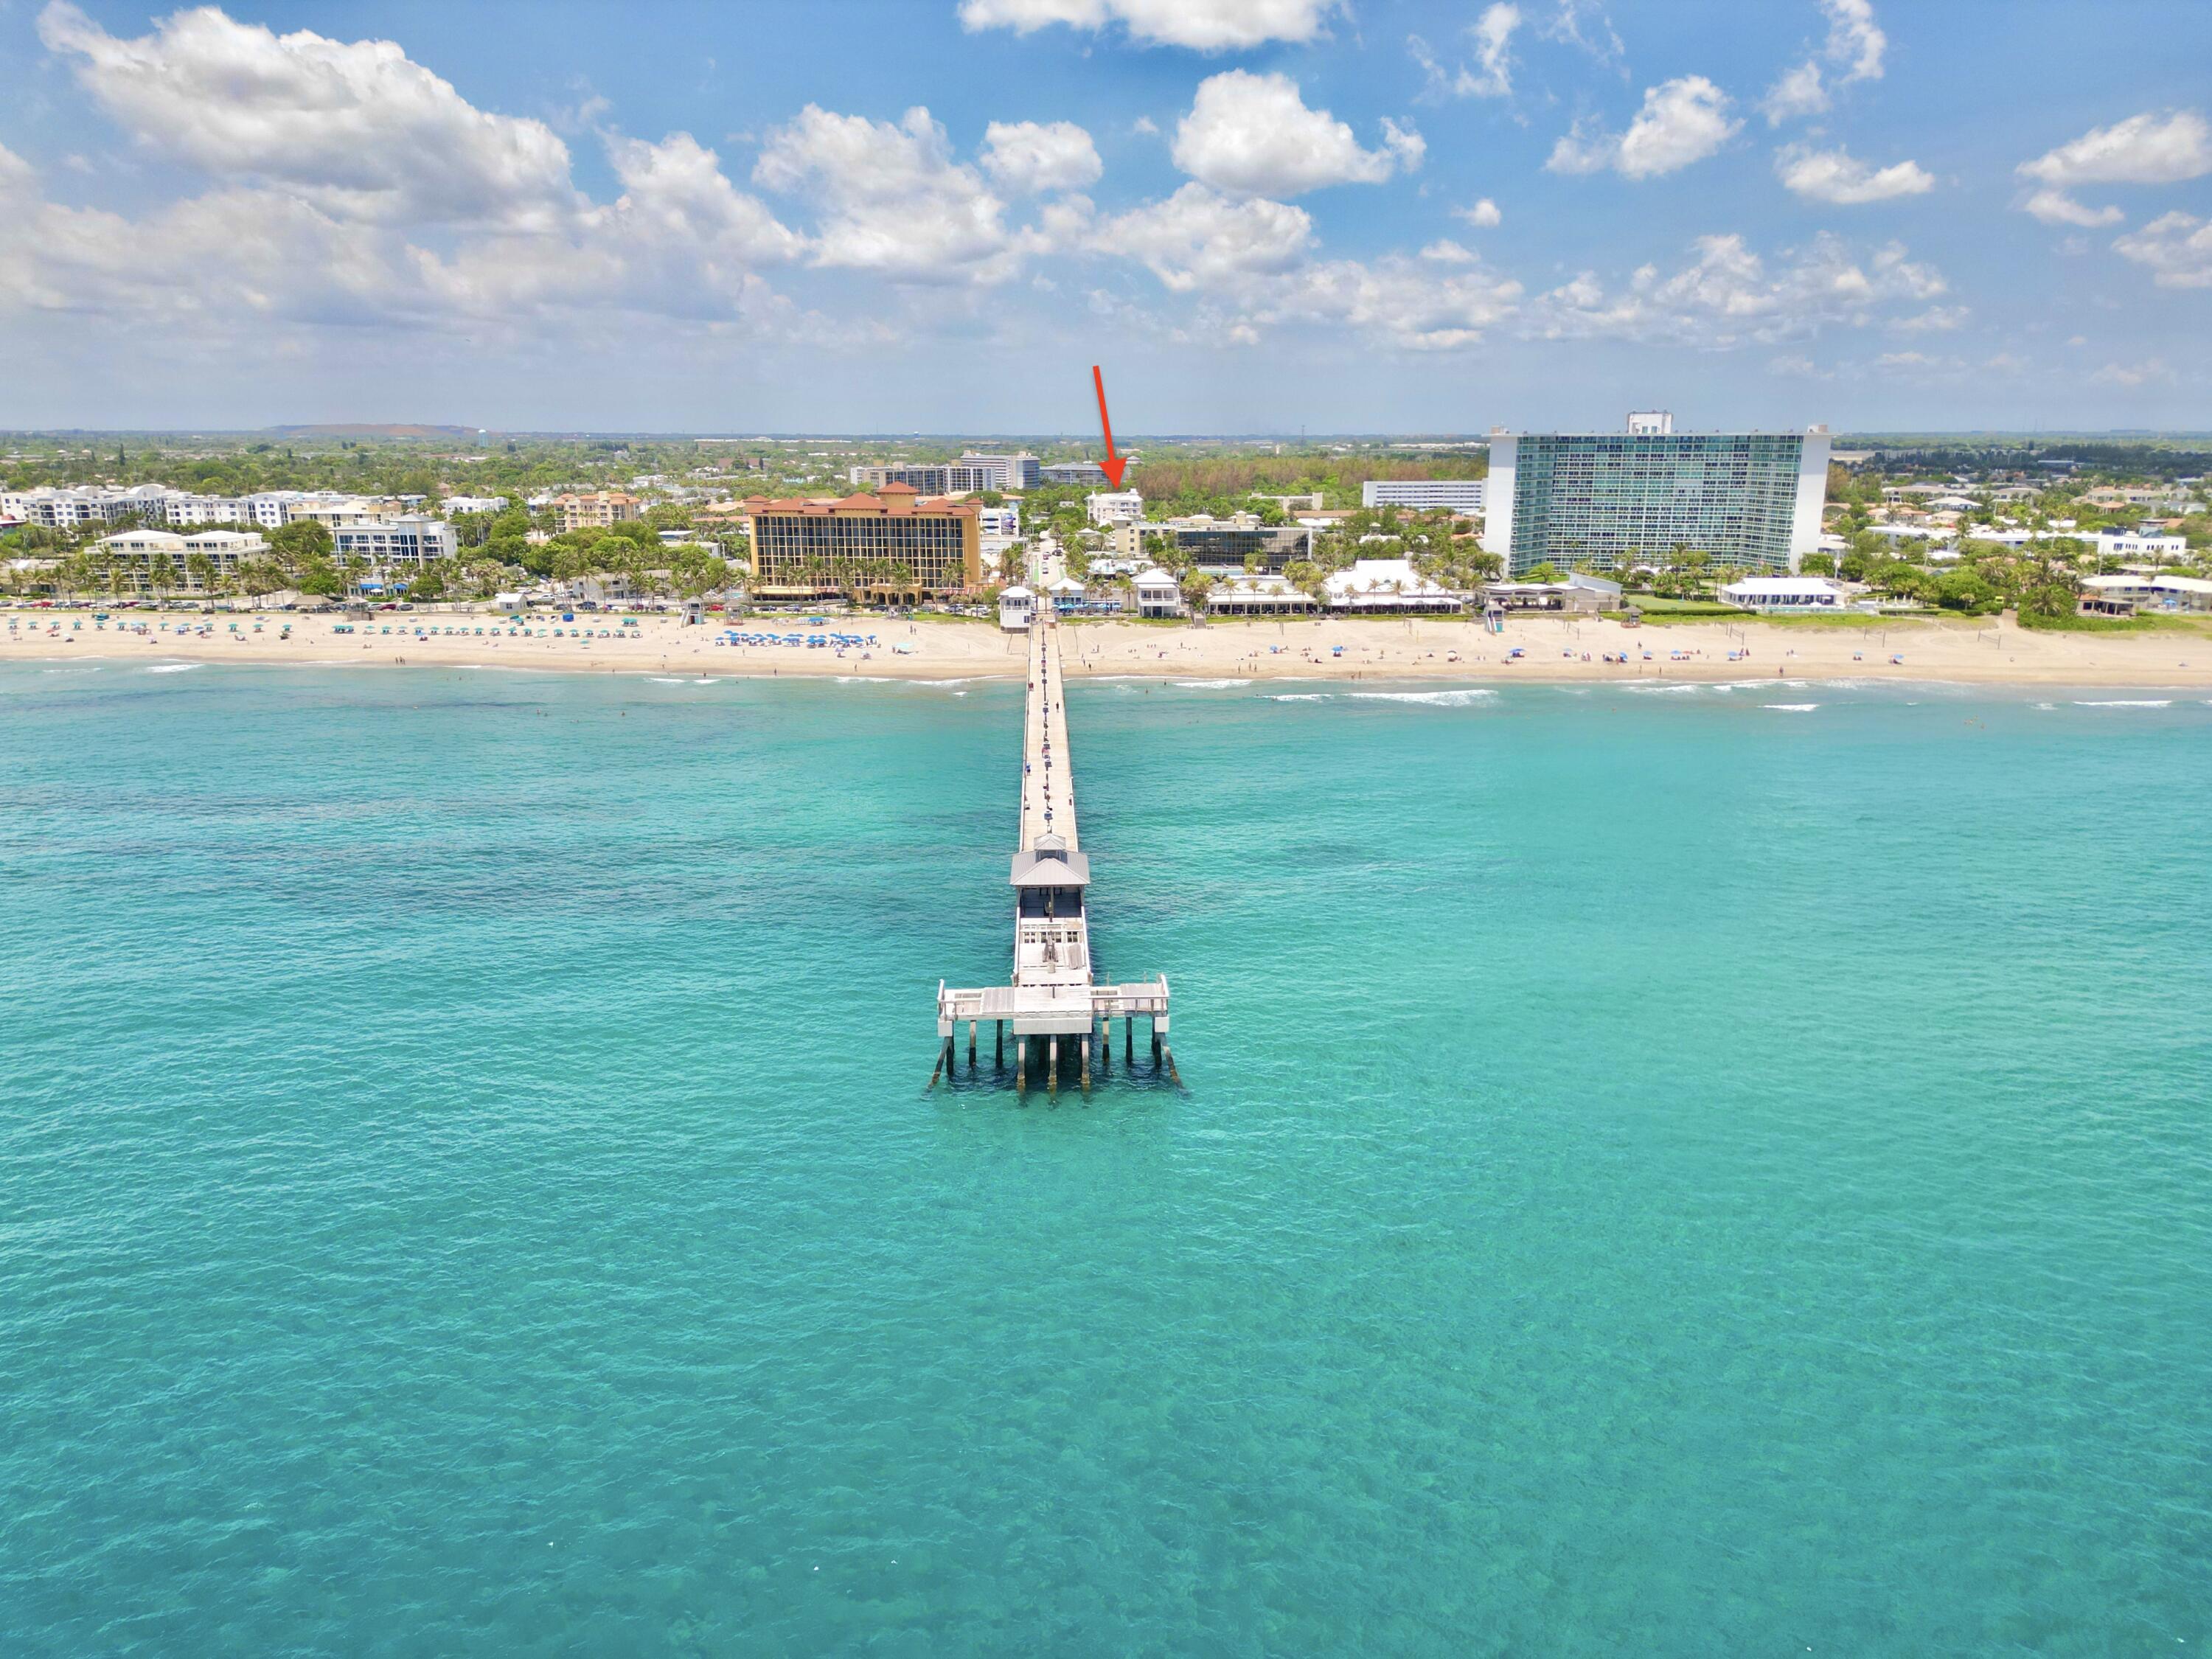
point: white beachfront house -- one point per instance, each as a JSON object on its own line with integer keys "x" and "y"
{"x": 1785, "y": 593}
{"x": 2124, "y": 595}
{"x": 1017, "y": 610}
{"x": 1157, "y": 593}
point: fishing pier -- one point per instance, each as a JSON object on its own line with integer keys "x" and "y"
{"x": 1054, "y": 997}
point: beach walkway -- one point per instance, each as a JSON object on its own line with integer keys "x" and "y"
{"x": 1054, "y": 992}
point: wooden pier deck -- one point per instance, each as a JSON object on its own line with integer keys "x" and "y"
{"x": 1053, "y": 993}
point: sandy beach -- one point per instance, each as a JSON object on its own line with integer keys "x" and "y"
{"x": 1967, "y": 650}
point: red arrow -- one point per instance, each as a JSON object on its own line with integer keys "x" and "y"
{"x": 1113, "y": 465}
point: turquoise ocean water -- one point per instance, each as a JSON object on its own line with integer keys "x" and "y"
{"x": 1660, "y": 1173}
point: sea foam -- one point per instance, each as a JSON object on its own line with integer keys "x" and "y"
{"x": 1458, "y": 699}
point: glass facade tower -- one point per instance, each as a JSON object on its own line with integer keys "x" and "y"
{"x": 1603, "y": 502}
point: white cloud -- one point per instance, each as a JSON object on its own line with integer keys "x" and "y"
{"x": 1248, "y": 261}
{"x": 2055, "y": 207}
{"x": 1030, "y": 157}
{"x": 1253, "y": 134}
{"x": 2150, "y": 371}
{"x": 354, "y": 127}
{"x": 2148, "y": 148}
{"x": 1682, "y": 121}
{"x": 1408, "y": 145}
{"x": 1415, "y": 309}
{"x": 1201, "y": 25}
{"x": 1584, "y": 24}
{"x": 675, "y": 192}
{"x": 1854, "y": 40}
{"x": 1855, "y": 48}
{"x": 1936, "y": 319}
{"x": 1835, "y": 176}
{"x": 1483, "y": 216}
{"x": 1791, "y": 365}
{"x": 1493, "y": 32}
{"x": 1492, "y": 75}
{"x": 2177, "y": 248}
{"x": 1801, "y": 91}
{"x": 892, "y": 199}
{"x": 2143, "y": 149}
{"x": 1729, "y": 294}
{"x": 352, "y": 188}
{"x": 1199, "y": 240}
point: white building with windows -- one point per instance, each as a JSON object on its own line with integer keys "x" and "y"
{"x": 1460, "y": 495}
{"x": 2125, "y": 595}
{"x": 475, "y": 504}
{"x": 412, "y": 541}
{"x": 1157, "y": 593}
{"x": 74, "y": 507}
{"x": 997, "y": 529}
{"x": 1108, "y": 507}
{"x": 2145, "y": 546}
{"x": 1785, "y": 593}
{"x": 184, "y": 561}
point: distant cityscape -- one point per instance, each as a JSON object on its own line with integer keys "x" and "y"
{"x": 1542, "y": 521}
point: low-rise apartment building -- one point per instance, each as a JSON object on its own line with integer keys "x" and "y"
{"x": 1461, "y": 495}
{"x": 601, "y": 509}
{"x": 1108, "y": 507}
{"x": 412, "y": 540}
{"x": 2147, "y": 546}
{"x": 164, "y": 559}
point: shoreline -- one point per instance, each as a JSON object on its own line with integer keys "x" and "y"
{"x": 1334, "y": 651}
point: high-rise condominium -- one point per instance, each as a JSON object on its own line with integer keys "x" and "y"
{"x": 1604, "y": 500}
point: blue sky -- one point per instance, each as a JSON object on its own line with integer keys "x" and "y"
{"x": 1260, "y": 215}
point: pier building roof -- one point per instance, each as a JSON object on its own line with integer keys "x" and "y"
{"x": 1051, "y": 869}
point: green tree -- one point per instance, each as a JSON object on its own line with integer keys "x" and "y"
{"x": 301, "y": 540}
{"x": 260, "y": 577}
{"x": 2049, "y": 591}
{"x": 321, "y": 577}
